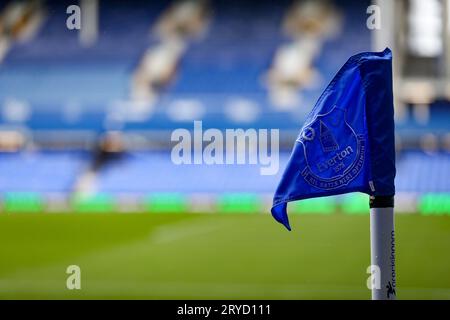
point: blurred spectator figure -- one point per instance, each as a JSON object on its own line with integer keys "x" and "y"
{"x": 184, "y": 19}
{"x": 317, "y": 19}
{"x": 429, "y": 143}
{"x": 292, "y": 68}
{"x": 156, "y": 69}
{"x": 446, "y": 142}
{"x": 181, "y": 21}
{"x": 109, "y": 149}
{"x": 19, "y": 21}
{"x": 11, "y": 141}
{"x": 308, "y": 23}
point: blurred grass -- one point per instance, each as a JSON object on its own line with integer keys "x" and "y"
{"x": 190, "y": 256}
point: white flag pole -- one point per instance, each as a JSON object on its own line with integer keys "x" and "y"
{"x": 382, "y": 246}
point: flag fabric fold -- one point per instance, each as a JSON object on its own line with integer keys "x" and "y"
{"x": 347, "y": 141}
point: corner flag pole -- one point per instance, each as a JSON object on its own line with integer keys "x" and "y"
{"x": 382, "y": 246}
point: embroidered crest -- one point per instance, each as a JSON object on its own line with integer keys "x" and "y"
{"x": 338, "y": 157}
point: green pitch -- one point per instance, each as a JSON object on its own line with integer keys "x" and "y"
{"x": 234, "y": 256}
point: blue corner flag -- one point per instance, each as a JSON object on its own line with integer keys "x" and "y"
{"x": 347, "y": 141}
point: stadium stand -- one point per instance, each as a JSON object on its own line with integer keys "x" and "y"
{"x": 41, "y": 171}
{"x": 423, "y": 172}
{"x": 89, "y": 78}
{"x": 221, "y": 77}
{"x": 52, "y": 86}
{"x": 223, "y": 71}
{"x": 148, "y": 171}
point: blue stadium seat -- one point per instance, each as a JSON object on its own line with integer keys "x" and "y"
{"x": 146, "y": 172}
{"x": 53, "y": 70}
{"x": 422, "y": 172}
{"x": 41, "y": 172}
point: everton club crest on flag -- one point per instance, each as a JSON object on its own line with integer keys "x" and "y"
{"x": 347, "y": 142}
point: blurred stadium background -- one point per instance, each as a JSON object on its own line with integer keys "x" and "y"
{"x": 85, "y": 124}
